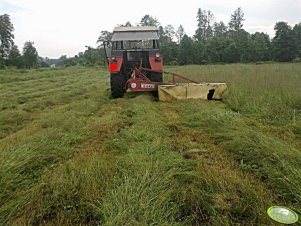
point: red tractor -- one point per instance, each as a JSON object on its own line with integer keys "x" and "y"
{"x": 137, "y": 65}
{"x": 134, "y": 48}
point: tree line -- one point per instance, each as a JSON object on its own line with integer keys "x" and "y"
{"x": 9, "y": 52}
{"x": 220, "y": 42}
{"x": 10, "y": 55}
{"x": 212, "y": 42}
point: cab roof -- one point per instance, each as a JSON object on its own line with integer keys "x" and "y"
{"x": 135, "y": 33}
{"x": 132, "y": 29}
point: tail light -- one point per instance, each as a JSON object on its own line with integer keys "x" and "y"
{"x": 113, "y": 67}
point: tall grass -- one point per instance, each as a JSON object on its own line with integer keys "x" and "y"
{"x": 267, "y": 92}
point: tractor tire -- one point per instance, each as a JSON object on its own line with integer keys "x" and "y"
{"x": 118, "y": 82}
{"x": 156, "y": 77}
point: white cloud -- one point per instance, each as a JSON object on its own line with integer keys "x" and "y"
{"x": 65, "y": 26}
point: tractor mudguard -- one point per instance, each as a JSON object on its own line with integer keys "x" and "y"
{"x": 115, "y": 65}
{"x": 156, "y": 63}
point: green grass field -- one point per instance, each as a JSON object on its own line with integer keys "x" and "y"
{"x": 70, "y": 155}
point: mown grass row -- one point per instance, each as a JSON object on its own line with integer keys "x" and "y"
{"x": 20, "y": 104}
{"x": 275, "y": 160}
{"x": 28, "y": 77}
{"x": 46, "y": 139}
{"x": 138, "y": 168}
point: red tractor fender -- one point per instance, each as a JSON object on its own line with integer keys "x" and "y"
{"x": 115, "y": 64}
{"x": 156, "y": 63}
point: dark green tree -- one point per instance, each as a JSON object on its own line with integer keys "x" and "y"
{"x": 170, "y": 51}
{"x": 220, "y": 29}
{"x": 92, "y": 56}
{"x": 105, "y": 36}
{"x": 200, "y": 54}
{"x": 62, "y": 61}
{"x": 180, "y": 34}
{"x": 258, "y": 47}
{"x": 238, "y": 34}
{"x": 231, "y": 53}
{"x": 242, "y": 43}
{"x": 297, "y": 35}
{"x": 186, "y": 53}
{"x": 221, "y": 50}
{"x": 148, "y": 20}
{"x": 236, "y": 21}
{"x": 6, "y": 38}
{"x": 205, "y": 25}
{"x": 162, "y": 36}
{"x": 127, "y": 24}
{"x": 30, "y": 55}
{"x": 42, "y": 62}
{"x": 169, "y": 33}
{"x": 284, "y": 46}
{"x": 236, "y": 31}
{"x": 216, "y": 48}
{"x": 14, "y": 57}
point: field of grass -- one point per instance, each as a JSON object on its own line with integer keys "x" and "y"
{"x": 70, "y": 155}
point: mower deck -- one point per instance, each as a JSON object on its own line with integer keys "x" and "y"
{"x": 206, "y": 91}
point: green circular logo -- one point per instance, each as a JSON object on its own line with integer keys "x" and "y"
{"x": 282, "y": 215}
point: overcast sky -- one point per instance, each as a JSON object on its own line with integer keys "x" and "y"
{"x": 60, "y": 27}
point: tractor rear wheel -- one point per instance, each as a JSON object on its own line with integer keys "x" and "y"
{"x": 117, "y": 85}
{"x": 156, "y": 77}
